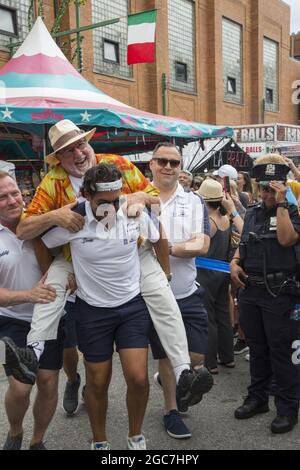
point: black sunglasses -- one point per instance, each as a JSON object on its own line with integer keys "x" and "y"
{"x": 164, "y": 162}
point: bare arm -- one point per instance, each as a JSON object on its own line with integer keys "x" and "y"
{"x": 35, "y": 225}
{"x": 196, "y": 246}
{"x": 293, "y": 168}
{"x": 286, "y": 234}
{"x": 161, "y": 248}
{"x": 42, "y": 254}
{"x": 41, "y": 293}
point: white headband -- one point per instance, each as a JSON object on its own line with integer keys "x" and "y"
{"x": 112, "y": 186}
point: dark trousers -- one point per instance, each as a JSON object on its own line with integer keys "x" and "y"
{"x": 216, "y": 301}
{"x": 270, "y": 334}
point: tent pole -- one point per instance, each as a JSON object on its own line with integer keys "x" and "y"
{"x": 204, "y": 159}
{"x": 78, "y": 41}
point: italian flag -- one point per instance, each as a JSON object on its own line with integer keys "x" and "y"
{"x": 141, "y": 37}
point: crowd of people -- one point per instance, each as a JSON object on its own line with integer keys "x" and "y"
{"x": 104, "y": 259}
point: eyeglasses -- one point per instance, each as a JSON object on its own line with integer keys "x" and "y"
{"x": 163, "y": 162}
{"x": 78, "y": 146}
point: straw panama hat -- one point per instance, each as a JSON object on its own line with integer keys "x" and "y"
{"x": 65, "y": 133}
{"x": 211, "y": 190}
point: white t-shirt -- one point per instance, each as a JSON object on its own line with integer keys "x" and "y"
{"x": 182, "y": 216}
{"x": 19, "y": 270}
{"x": 76, "y": 185}
{"x": 106, "y": 262}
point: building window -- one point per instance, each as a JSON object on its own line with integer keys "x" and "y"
{"x": 8, "y": 21}
{"x": 110, "y": 42}
{"x": 269, "y": 96}
{"x": 111, "y": 51}
{"x": 181, "y": 74}
{"x": 181, "y": 32}
{"x": 271, "y": 74}
{"x": 231, "y": 85}
{"x": 13, "y": 20}
{"x": 232, "y": 61}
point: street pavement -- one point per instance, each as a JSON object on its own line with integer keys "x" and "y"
{"x": 211, "y": 422}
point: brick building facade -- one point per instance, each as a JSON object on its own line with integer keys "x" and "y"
{"x": 225, "y": 61}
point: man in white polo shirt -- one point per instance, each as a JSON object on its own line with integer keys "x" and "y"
{"x": 20, "y": 289}
{"x": 109, "y": 308}
{"x": 186, "y": 224}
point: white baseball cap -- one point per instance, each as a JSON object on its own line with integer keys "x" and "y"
{"x": 228, "y": 170}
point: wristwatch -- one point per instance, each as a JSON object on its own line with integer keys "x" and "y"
{"x": 233, "y": 214}
{"x": 169, "y": 277}
{"x": 284, "y": 204}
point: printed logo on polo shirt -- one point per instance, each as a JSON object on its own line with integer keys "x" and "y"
{"x": 87, "y": 240}
{"x": 6, "y": 252}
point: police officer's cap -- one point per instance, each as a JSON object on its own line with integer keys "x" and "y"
{"x": 270, "y": 168}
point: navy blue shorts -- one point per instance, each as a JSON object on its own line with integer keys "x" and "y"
{"x": 52, "y": 357}
{"x": 71, "y": 336}
{"x": 195, "y": 322}
{"x": 128, "y": 326}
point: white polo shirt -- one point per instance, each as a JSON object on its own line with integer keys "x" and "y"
{"x": 106, "y": 262}
{"x": 19, "y": 270}
{"x": 182, "y": 216}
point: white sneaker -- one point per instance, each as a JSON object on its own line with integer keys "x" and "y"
{"x": 157, "y": 381}
{"x": 247, "y": 357}
{"x": 104, "y": 445}
{"x": 136, "y": 443}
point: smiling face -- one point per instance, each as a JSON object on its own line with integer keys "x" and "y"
{"x": 77, "y": 158}
{"x": 11, "y": 202}
{"x": 165, "y": 167}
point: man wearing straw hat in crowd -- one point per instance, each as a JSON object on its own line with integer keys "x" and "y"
{"x": 52, "y": 205}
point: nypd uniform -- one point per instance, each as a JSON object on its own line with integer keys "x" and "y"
{"x": 265, "y": 319}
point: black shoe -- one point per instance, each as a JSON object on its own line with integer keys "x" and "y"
{"x": 22, "y": 361}
{"x": 13, "y": 443}
{"x": 191, "y": 387}
{"x": 38, "y": 446}
{"x": 249, "y": 408}
{"x": 282, "y": 424}
{"x": 240, "y": 347}
{"x": 70, "y": 400}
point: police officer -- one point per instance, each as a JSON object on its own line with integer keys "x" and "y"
{"x": 265, "y": 268}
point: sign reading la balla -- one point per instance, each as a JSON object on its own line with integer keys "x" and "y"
{"x": 267, "y": 133}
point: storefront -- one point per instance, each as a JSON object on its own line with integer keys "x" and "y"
{"x": 257, "y": 140}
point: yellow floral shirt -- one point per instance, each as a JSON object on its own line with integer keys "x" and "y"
{"x": 56, "y": 191}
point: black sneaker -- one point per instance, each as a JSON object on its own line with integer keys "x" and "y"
{"x": 22, "y": 361}
{"x": 191, "y": 387}
{"x": 240, "y": 347}
{"x": 175, "y": 427}
{"x": 38, "y": 446}
{"x": 13, "y": 443}
{"x": 70, "y": 400}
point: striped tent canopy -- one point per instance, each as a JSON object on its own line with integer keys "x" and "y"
{"x": 39, "y": 86}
